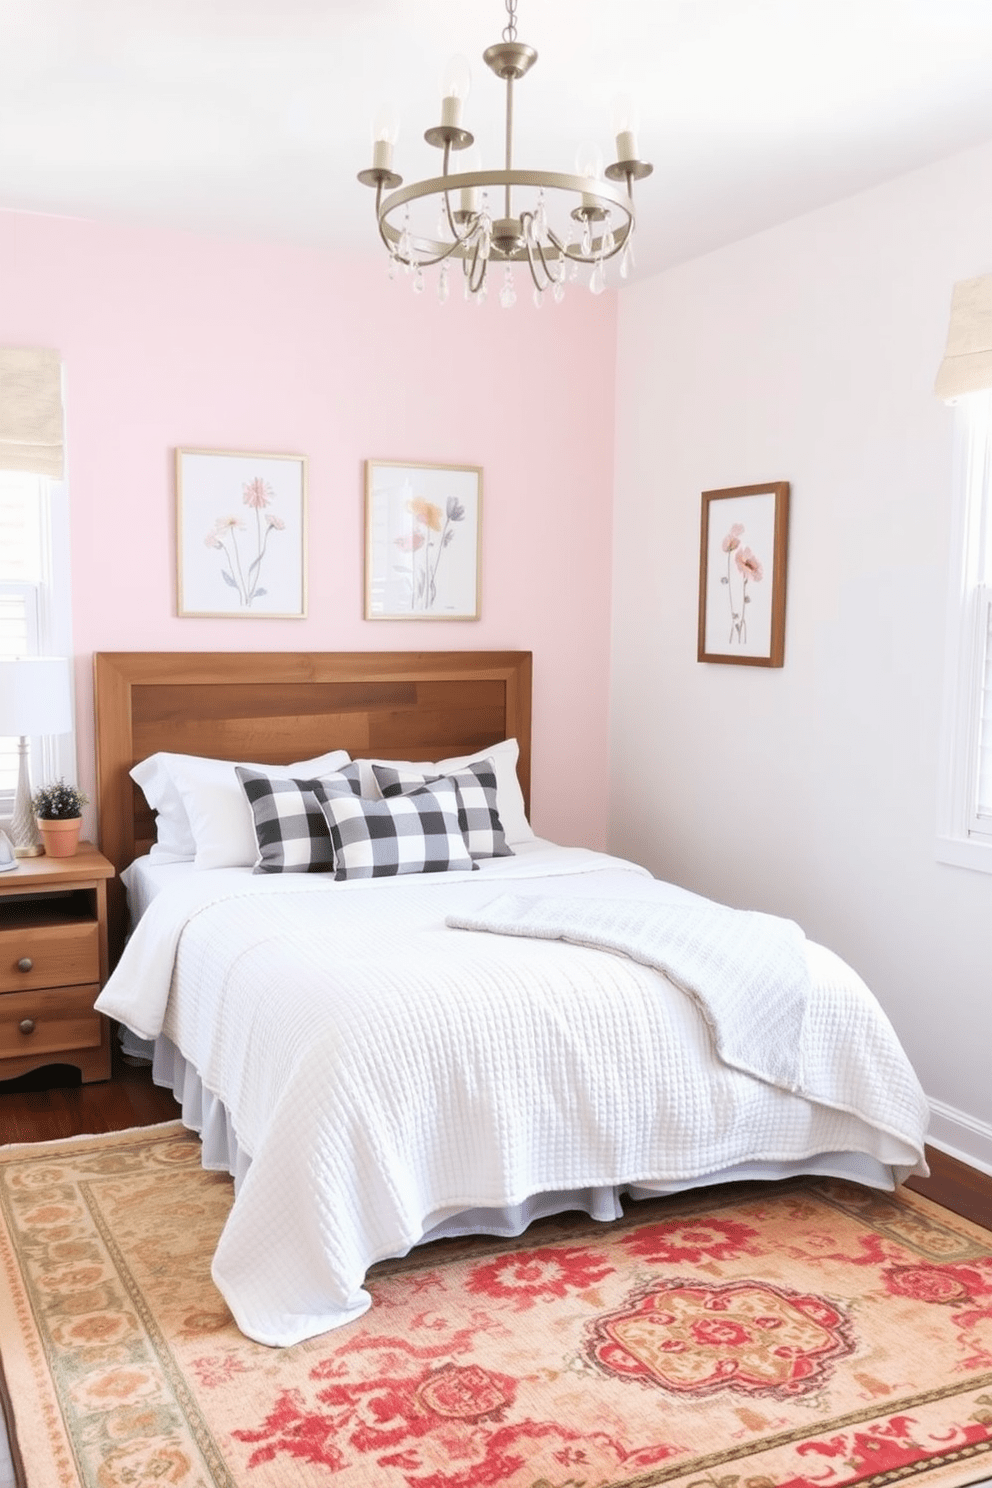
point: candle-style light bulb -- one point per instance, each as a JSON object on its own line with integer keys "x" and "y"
{"x": 385, "y": 131}
{"x": 456, "y": 81}
{"x": 589, "y": 162}
{"x": 626, "y": 123}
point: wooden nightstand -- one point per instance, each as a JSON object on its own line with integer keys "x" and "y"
{"x": 53, "y": 962}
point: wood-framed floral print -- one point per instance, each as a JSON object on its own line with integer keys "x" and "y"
{"x": 423, "y": 541}
{"x": 742, "y": 567}
{"x": 241, "y": 535}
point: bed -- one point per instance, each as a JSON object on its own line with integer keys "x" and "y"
{"x": 516, "y": 1029}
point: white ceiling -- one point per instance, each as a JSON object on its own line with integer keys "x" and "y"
{"x": 254, "y": 117}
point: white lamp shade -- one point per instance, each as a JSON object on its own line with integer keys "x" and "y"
{"x": 35, "y": 696}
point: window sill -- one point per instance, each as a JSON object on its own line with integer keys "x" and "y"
{"x": 965, "y": 852}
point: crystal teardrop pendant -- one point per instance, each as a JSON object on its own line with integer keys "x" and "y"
{"x": 442, "y": 285}
{"x": 597, "y": 279}
{"x": 626, "y": 260}
{"x": 485, "y": 226}
{"x": 508, "y": 295}
{"x": 558, "y": 293}
{"x": 418, "y": 281}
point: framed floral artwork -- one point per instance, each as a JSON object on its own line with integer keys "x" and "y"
{"x": 423, "y": 549}
{"x": 241, "y": 531}
{"x": 742, "y": 563}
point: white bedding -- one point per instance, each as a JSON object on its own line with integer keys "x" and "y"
{"x": 386, "y": 1074}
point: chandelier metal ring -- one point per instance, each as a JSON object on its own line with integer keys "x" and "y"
{"x": 602, "y": 194}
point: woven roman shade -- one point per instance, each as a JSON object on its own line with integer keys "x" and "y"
{"x": 967, "y": 364}
{"x": 31, "y": 411}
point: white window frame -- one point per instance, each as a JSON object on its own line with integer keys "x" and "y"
{"x": 51, "y": 622}
{"x": 964, "y": 840}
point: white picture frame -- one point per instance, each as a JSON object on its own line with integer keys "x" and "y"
{"x": 241, "y": 535}
{"x": 423, "y": 541}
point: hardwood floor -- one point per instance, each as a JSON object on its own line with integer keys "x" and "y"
{"x": 52, "y": 1104}
{"x": 959, "y": 1188}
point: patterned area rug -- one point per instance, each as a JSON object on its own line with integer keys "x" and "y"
{"x": 783, "y": 1336}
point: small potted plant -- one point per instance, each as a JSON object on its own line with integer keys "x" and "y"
{"x": 58, "y": 810}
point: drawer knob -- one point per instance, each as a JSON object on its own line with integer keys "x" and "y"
{"x": 27, "y": 1025}
{"x": 25, "y": 964}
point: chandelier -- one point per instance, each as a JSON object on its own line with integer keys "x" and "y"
{"x": 544, "y": 224}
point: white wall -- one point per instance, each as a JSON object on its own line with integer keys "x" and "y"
{"x": 808, "y": 354}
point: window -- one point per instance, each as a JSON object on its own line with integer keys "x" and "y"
{"x": 965, "y": 809}
{"x": 35, "y": 615}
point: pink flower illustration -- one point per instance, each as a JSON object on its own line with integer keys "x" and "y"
{"x": 411, "y": 541}
{"x": 237, "y": 571}
{"x": 749, "y": 569}
{"x": 428, "y": 519}
{"x": 748, "y": 564}
{"x": 257, "y": 493}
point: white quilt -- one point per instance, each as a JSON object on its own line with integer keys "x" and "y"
{"x": 384, "y": 1071}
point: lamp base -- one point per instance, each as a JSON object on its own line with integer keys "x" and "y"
{"x": 24, "y": 832}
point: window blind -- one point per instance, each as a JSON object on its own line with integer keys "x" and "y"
{"x": 967, "y": 363}
{"x": 31, "y": 424}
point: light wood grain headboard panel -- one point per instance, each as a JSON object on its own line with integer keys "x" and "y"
{"x": 277, "y": 706}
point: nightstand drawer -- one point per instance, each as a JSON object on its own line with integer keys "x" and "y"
{"x": 37, "y": 1023}
{"x": 49, "y": 956}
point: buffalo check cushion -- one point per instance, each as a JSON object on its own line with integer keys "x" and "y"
{"x": 475, "y": 793}
{"x": 413, "y": 833}
{"x": 290, "y": 829}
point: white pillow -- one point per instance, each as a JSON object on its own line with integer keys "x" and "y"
{"x": 174, "y": 837}
{"x": 203, "y": 813}
{"x": 509, "y": 796}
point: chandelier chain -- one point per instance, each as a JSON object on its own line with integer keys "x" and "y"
{"x": 510, "y": 29}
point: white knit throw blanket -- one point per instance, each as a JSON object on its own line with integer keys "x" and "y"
{"x": 746, "y": 971}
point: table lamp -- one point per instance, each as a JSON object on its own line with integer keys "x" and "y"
{"x": 35, "y": 699}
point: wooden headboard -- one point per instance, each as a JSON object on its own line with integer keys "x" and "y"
{"x": 278, "y": 706}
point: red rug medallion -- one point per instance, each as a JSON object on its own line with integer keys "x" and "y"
{"x": 745, "y": 1336}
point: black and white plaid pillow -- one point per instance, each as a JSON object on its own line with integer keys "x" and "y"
{"x": 414, "y": 833}
{"x": 475, "y": 792}
{"x": 290, "y": 828}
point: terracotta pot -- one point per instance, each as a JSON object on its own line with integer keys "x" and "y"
{"x": 61, "y": 838}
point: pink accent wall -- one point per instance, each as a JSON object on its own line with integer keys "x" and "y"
{"x": 174, "y": 340}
